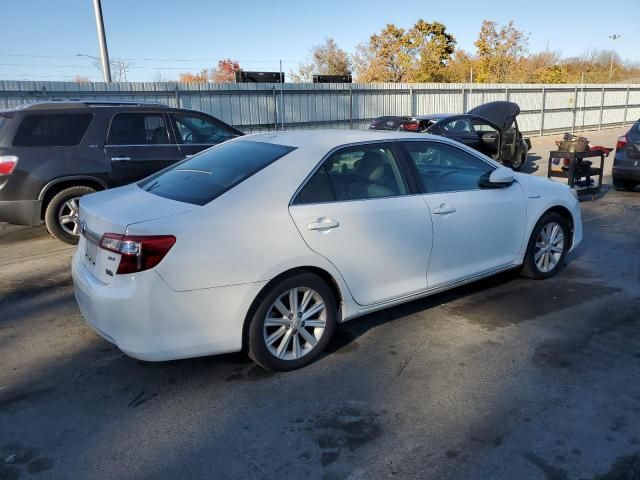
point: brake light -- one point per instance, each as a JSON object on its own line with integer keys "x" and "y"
{"x": 7, "y": 164}
{"x": 410, "y": 126}
{"x": 622, "y": 141}
{"x": 138, "y": 252}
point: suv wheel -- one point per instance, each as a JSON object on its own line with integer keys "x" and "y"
{"x": 61, "y": 214}
{"x": 293, "y": 323}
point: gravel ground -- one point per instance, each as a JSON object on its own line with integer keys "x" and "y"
{"x": 506, "y": 378}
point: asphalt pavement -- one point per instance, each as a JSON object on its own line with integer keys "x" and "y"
{"x": 506, "y": 378}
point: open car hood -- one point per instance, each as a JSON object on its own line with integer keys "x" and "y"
{"x": 500, "y": 113}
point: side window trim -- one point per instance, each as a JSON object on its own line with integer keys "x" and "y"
{"x": 165, "y": 117}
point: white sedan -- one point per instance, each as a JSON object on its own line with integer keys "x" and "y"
{"x": 266, "y": 242}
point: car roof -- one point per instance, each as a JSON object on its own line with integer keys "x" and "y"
{"x": 436, "y": 116}
{"x": 79, "y": 105}
{"x": 331, "y": 138}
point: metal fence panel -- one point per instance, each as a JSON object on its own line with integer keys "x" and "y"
{"x": 261, "y": 107}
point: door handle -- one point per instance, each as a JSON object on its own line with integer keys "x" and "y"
{"x": 120, "y": 159}
{"x": 189, "y": 155}
{"x": 323, "y": 225}
{"x": 444, "y": 209}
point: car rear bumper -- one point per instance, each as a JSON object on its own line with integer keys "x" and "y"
{"x": 626, "y": 173}
{"x": 148, "y": 320}
{"x": 21, "y": 212}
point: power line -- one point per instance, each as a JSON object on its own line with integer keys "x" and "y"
{"x": 24, "y": 55}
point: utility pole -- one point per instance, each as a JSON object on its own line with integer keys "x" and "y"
{"x": 102, "y": 40}
{"x": 613, "y": 38}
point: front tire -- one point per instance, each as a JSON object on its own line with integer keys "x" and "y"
{"x": 547, "y": 247}
{"x": 519, "y": 161}
{"x": 61, "y": 214}
{"x": 293, "y": 323}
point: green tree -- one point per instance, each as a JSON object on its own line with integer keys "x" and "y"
{"x": 326, "y": 59}
{"x": 398, "y": 55}
{"x": 502, "y": 52}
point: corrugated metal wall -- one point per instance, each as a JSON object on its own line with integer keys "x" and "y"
{"x": 259, "y": 107}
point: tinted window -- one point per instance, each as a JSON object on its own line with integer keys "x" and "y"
{"x": 317, "y": 190}
{"x": 138, "y": 129}
{"x": 356, "y": 173}
{"x": 444, "y": 168}
{"x": 60, "y": 130}
{"x": 202, "y": 178}
{"x": 459, "y": 126}
{"x": 199, "y": 130}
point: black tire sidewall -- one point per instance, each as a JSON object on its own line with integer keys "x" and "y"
{"x": 530, "y": 268}
{"x": 258, "y": 350}
{"x": 51, "y": 212}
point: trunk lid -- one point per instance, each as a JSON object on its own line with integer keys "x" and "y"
{"x": 112, "y": 211}
{"x": 632, "y": 148}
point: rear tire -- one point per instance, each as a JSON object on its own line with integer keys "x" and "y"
{"x": 521, "y": 160}
{"x": 628, "y": 185}
{"x": 282, "y": 338}
{"x": 547, "y": 247}
{"x": 61, "y": 214}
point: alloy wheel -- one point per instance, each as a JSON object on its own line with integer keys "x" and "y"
{"x": 68, "y": 216}
{"x": 294, "y": 323}
{"x": 549, "y": 247}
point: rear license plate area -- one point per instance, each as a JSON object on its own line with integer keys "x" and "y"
{"x": 90, "y": 250}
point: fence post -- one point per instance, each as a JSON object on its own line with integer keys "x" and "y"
{"x": 506, "y": 93}
{"x": 626, "y": 107}
{"x": 575, "y": 106}
{"x": 601, "y": 109}
{"x": 275, "y": 110}
{"x": 351, "y": 106}
{"x": 412, "y": 110}
{"x": 464, "y": 100}
{"x": 177, "y": 94}
{"x": 543, "y": 100}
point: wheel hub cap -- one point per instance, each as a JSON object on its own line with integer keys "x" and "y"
{"x": 549, "y": 247}
{"x": 294, "y": 323}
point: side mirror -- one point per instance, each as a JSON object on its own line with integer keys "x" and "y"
{"x": 499, "y": 178}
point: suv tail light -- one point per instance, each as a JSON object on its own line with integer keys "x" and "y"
{"x": 7, "y": 164}
{"x": 138, "y": 252}
{"x": 622, "y": 141}
{"x": 410, "y": 126}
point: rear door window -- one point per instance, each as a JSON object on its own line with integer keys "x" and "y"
{"x": 138, "y": 129}
{"x": 58, "y": 130}
{"x": 200, "y": 179}
{"x": 198, "y": 131}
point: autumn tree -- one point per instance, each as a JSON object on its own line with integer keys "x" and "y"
{"x": 418, "y": 54}
{"x": 501, "y": 52}
{"x": 81, "y": 79}
{"x": 226, "y": 71}
{"x": 459, "y": 69}
{"x": 326, "y": 59}
{"x": 202, "y": 76}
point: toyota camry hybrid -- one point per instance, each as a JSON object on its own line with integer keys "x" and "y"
{"x": 266, "y": 242}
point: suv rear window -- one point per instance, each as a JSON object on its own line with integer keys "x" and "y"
{"x": 58, "y": 130}
{"x": 200, "y": 179}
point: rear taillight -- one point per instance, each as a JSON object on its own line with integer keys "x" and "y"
{"x": 410, "y": 126}
{"x": 7, "y": 164}
{"x": 374, "y": 123}
{"x": 138, "y": 252}
{"x": 622, "y": 141}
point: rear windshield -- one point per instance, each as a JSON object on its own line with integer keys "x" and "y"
{"x": 200, "y": 179}
{"x": 59, "y": 130}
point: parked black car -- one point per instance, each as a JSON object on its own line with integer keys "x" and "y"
{"x": 53, "y": 153}
{"x": 626, "y": 163}
{"x": 491, "y": 128}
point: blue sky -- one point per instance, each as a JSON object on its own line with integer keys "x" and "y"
{"x": 41, "y": 38}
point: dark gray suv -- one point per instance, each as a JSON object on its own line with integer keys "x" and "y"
{"x": 53, "y": 153}
{"x": 626, "y": 164}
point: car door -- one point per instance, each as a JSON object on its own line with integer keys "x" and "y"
{"x": 198, "y": 132}
{"x": 475, "y": 230}
{"x": 490, "y": 137}
{"x": 358, "y": 211}
{"x": 139, "y": 144}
